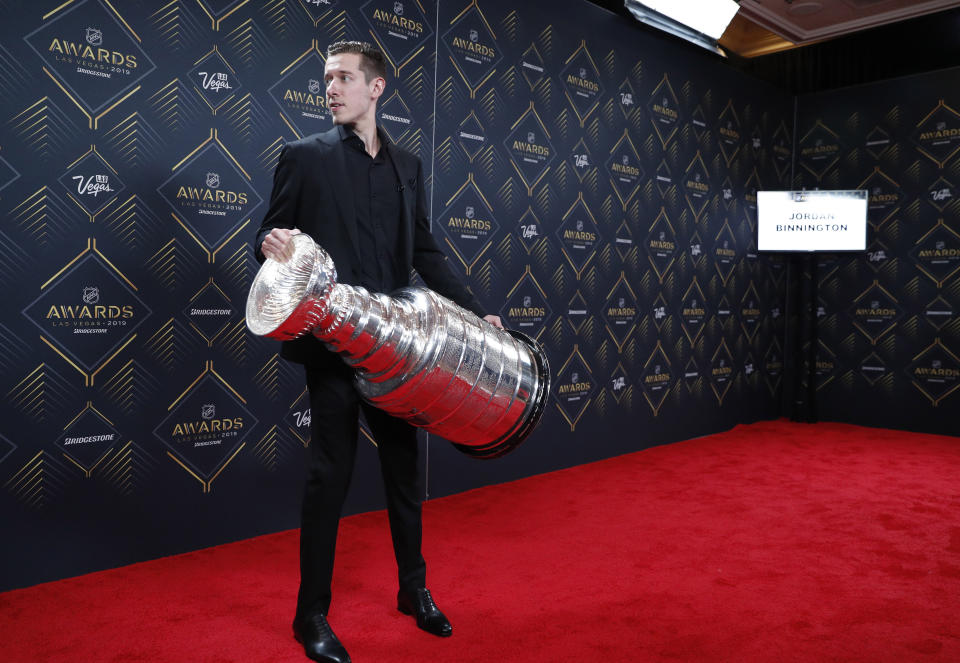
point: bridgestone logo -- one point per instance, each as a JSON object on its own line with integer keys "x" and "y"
{"x": 210, "y": 311}
{"x": 394, "y": 118}
{"x": 89, "y": 438}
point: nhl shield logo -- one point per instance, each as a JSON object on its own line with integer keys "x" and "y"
{"x": 313, "y": 86}
{"x": 94, "y": 36}
{"x": 469, "y": 212}
{"x": 527, "y": 301}
{"x": 91, "y": 294}
{"x": 531, "y": 137}
{"x": 213, "y": 180}
{"x": 398, "y": 8}
{"x": 474, "y": 35}
{"x": 208, "y": 411}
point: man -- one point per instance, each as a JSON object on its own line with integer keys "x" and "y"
{"x": 362, "y": 199}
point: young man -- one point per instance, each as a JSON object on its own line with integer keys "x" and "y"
{"x": 362, "y": 199}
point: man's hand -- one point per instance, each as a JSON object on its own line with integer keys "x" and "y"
{"x": 276, "y": 244}
{"x": 494, "y": 320}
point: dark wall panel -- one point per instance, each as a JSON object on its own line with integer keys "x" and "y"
{"x": 597, "y": 187}
{"x": 887, "y": 345}
{"x": 594, "y": 187}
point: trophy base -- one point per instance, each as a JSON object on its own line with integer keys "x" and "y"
{"x": 538, "y": 404}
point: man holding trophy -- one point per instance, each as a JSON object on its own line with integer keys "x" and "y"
{"x": 362, "y": 199}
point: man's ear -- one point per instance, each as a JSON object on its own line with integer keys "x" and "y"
{"x": 379, "y": 85}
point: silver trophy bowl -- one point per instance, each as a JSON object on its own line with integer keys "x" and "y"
{"x": 417, "y": 355}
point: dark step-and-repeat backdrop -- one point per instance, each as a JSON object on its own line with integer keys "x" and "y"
{"x": 596, "y": 187}
{"x": 887, "y": 348}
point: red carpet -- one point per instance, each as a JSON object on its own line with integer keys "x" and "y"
{"x": 772, "y": 542}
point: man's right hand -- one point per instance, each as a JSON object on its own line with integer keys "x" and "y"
{"x": 276, "y": 245}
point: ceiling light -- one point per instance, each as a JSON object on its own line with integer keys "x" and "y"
{"x": 701, "y": 22}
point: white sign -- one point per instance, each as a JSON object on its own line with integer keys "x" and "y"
{"x": 811, "y": 220}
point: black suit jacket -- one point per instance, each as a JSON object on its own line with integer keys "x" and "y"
{"x": 311, "y": 192}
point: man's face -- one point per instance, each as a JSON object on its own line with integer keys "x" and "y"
{"x": 350, "y": 97}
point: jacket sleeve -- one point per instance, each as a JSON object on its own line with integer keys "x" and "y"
{"x": 284, "y": 199}
{"x": 431, "y": 262}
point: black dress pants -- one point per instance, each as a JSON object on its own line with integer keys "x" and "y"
{"x": 335, "y": 406}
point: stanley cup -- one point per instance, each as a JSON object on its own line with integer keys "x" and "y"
{"x": 417, "y": 355}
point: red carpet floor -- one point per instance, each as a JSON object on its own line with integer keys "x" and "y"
{"x": 771, "y": 542}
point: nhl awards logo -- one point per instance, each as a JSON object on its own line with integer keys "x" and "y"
{"x": 665, "y": 111}
{"x": 472, "y": 45}
{"x": 526, "y": 305}
{"x": 529, "y": 313}
{"x": 875, "y": 312}
{"x": 91, "y": 314}
{"x": 401, "y": 28}
{"x": 209, "y": 194}
{"x": 938, "y": 134}
{"x": 310, "y": 103}
{"x": 210, "y": 198}
{"x": 575, "y": 387}
{"x": 395, "y": 22}
{"x": 530, "y": 150}
{"x": 208, "y": 430}
{"x": 582, "y": 81}
{"x": 91, "y": 53}
{"x": 91, "y": 294}
{"x": 90, "y": 56}
{"x": 935, "y": 372}
{"x": 88, "y": 312}
{"x": 657, "y": 378}
{"x": 937, "y": 253}
{"x": 468, "y": 225}
{"x": 620, "y": 311}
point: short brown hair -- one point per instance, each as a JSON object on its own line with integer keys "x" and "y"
{"x": 372, "y": 62}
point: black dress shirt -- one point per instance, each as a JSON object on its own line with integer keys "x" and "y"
{"x": 378, "y": 202}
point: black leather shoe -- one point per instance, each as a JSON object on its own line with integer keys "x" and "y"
{"x": 318, "y": 640}
{"x": 428, "y": 615}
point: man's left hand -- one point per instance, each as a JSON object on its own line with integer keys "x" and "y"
{"x": 494, "y": 320}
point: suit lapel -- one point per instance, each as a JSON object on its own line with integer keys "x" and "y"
{"x": 342, "y": 190}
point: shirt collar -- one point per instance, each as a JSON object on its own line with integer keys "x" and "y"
{"x": 346, "y": 134}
